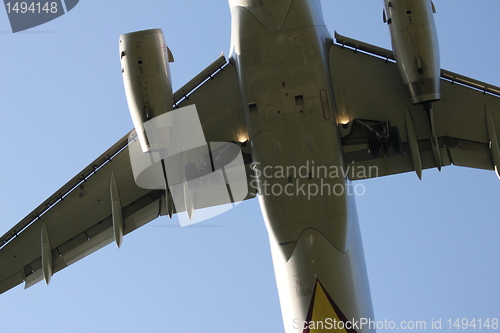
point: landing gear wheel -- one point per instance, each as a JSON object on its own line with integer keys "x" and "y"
{"x": 373, "y": 144}
{"x": 395, "y": 140}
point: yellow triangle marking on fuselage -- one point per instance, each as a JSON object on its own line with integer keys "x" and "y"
{"x": 324, "y": 318}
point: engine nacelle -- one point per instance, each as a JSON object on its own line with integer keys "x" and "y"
{"x": 145, "y": 61}
{"x": 415, "y": 46}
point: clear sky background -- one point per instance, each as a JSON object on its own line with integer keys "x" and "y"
{"x": 432, "y": 246}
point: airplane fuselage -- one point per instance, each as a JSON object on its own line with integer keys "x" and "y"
{"x": 280, "y": 50}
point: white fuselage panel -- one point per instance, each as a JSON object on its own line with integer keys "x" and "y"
{"x": 280, "y": 49}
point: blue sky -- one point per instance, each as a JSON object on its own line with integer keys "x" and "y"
{"x": 431, "y": 246}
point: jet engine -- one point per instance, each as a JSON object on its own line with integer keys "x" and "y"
{"x": 415, "y": 46}
{"x": 145, "y": 61}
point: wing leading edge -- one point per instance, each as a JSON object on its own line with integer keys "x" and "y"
{"x": 374, "y": 109}
{"x": 78, "y": 220}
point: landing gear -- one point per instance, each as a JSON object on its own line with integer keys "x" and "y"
{"x": 373, "y": 144}
{"x": 380, "y": 136}
{"x": 395, "y": 140}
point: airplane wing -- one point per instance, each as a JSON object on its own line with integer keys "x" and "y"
{"x": 374, "y": 107}
{"x": 78, "y": 220}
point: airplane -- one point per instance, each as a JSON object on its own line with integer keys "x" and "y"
{"x": 127, "y": 242}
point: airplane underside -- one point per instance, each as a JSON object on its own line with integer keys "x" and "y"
{"x": 306, "y": 200}
{"x": 290, "y": 116}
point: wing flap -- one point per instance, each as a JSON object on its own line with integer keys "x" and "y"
{"x": 368, "y": 90}
{"x": 81, "y": 223}
{"x": 78, "y": 217}
{"x": 11, "y": 281}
